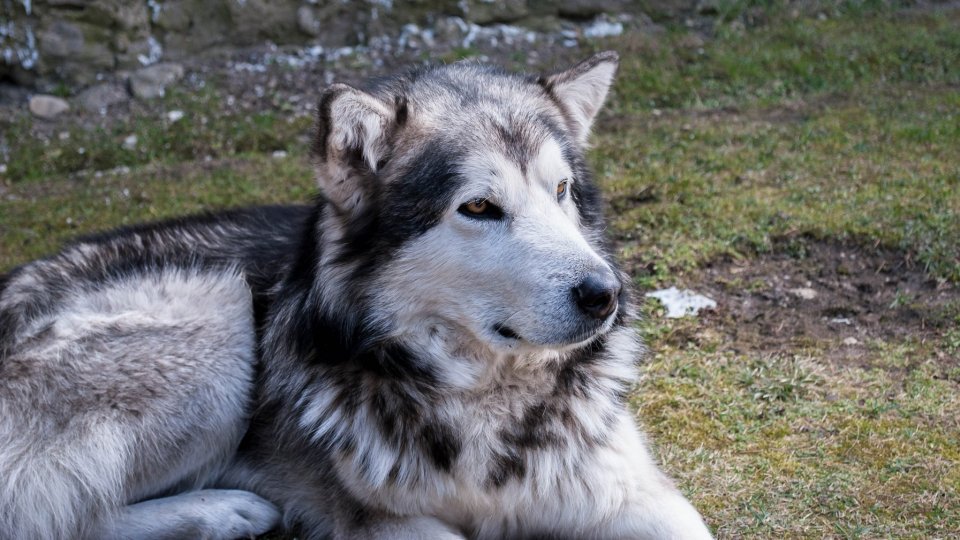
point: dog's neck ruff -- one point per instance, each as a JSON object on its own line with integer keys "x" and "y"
{"x": 388, "y": 423}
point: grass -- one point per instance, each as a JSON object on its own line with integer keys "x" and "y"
{"x": 787, "y": 58}
{"x": 206, "y": 130}
{"x": 785, "y": 445}
{"x": 877, "y": 167}
{"x": 840, "y": 129}
{"x": 38, "y": 217}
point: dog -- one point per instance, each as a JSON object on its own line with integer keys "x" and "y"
{"x": 440, "y": 346}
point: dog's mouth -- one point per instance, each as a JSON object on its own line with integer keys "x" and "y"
{"x": 506, "y": 332}
{"x": 580, "y": 337}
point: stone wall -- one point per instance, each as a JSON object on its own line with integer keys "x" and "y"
{"x": 70, "y": 42}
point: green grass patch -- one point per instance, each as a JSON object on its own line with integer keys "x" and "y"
{"x": 793, "y": 58}
{"x": 879, "y": 168}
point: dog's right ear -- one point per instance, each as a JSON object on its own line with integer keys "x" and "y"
{"x": 352, "y": 142}
{"x": 582, "y": 89}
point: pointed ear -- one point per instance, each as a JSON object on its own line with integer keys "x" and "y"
{"x": 581, "y": 90}
{"x": 352, "y": 143}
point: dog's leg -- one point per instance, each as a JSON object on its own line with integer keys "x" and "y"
{"x": 137, "y": 388}
{"x": 652, "y": 508}
{"x": 212, "y": 514}
{"x": 661, "y": 514}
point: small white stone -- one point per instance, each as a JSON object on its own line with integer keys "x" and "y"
{"x": 681, "y": 303}
{"x": 601, "y": 28}
{"x": 130, "y": 142}
{"x": 805, "y": 293}
{"x": 152, "y": 82}
{"x": 175, "y": 116}
{"x": 850, "y": 341}
{"x": 841, "y": 320}
{"x": 279, "y": 154}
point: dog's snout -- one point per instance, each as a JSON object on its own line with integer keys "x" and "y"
{"x": 597, "y": 295}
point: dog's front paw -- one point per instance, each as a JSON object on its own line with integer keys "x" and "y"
{"x": 238, "y": 514}
{"x": 214, "y": 514}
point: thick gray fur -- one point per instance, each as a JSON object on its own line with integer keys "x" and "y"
{"x": 439, "y": 347}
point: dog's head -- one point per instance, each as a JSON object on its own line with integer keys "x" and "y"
{"x": 460, "y": 195}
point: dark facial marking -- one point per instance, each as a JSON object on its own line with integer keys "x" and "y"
{"x": 324, "y": 123}
{"x": 402, "y": 110}
{"x": 403, "y": 209}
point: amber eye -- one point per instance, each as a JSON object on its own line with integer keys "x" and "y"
{"x": 561, "y": 190}
{"x": 478, "y": 206}
{"x": 481, "y": 209}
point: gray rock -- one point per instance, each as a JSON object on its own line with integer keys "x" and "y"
{"x": 708, "y": 7}
{"x": 47, "y": 107}
{"x": 173, "y": 17}
{"x": 484, "y": 12}
{"x": 61, "y": 39}
{"x": 12, "y": 94}
{"x": 668, "y": 10}
{"x": 450, "y": 29}
{"x": 153, "y": 81}
{"x": 74, "y": 42}
{"x": 580, "y": 9}
{"x": 256, "y": 20}
{"x": 73, "y": 51}
{"x": 124, "y": 14}
{"x": 100, "y": 97}
{"x": 307, "y": 21}
{"x": 137, "y": 54}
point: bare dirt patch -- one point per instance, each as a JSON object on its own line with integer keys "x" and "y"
{"x": 839, "y": 297}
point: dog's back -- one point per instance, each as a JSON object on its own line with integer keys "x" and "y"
{"x": 127, "y": 370}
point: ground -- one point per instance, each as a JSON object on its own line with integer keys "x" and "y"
{"x": 802, "y": 168}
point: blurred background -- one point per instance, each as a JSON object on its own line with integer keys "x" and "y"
{"x": 793, "y": 164}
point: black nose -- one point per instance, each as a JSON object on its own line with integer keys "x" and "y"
{"x": 597, "y": 295}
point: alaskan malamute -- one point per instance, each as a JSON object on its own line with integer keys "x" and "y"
{"x": 439, "y": 347}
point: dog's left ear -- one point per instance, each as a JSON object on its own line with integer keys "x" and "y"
{"x": 582, "y": 89}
